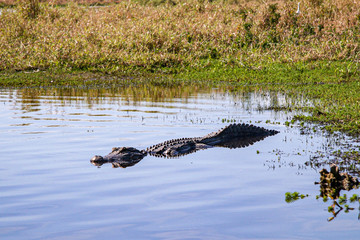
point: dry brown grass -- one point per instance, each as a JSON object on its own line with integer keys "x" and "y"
{"x": 189, "y": 33}
{"x": 63, "y": 2}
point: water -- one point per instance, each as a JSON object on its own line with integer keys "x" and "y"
{"x": 49, "y": 189}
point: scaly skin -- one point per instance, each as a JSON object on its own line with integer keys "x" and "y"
{"x": 232, "y": 136}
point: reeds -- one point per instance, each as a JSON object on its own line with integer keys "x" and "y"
{"x": 171, "y": 35}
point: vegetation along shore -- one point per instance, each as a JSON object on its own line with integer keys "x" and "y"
{"x": 312, "y": 50}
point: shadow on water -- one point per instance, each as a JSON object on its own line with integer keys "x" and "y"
{"x": 73, "y": 123}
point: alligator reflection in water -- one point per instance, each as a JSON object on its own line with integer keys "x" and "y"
{"x": 232, "y": 136}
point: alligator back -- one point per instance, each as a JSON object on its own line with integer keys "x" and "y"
{"x": 174, "y": 147}
{"x": 236, "y": 131}
{"x": 232, "y": 136}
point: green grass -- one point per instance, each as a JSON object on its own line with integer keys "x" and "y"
{"x": 238, "y": 44}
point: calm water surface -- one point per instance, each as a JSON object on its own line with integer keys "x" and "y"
{"x": 49, "y": 189}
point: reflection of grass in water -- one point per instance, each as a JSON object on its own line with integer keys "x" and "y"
{"x": 337, "y": 206}
{"x": 331, "y": 183}
{"x": 342, "y": 204}
{"x": 347, "y": 159}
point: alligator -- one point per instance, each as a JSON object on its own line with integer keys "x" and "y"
{"x": 232, "y": 136}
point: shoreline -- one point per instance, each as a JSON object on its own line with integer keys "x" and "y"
{"x": 332, "y": 87}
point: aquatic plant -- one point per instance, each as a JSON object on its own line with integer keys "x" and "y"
{"x": 335, "y": 208}
{"x": 292, "y": 197}
{"x": 331, "y": 184}
{"x": 339, "y": 206}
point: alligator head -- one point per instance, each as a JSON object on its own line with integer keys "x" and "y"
{"x": 120, "y": 157}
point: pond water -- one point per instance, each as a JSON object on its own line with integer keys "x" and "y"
{"x": 50, "y": 190}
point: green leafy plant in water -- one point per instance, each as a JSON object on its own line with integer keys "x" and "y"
{"x": 292, "y": 197}
{"x": 226, "y": 120}
{"x": 354, "y": 198}
{"x": 342, "y": 199}
{"x": 336, "y": 207}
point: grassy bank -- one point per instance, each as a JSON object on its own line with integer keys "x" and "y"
{"x": 256, "y": 44}
{"x": 177, "y": 34}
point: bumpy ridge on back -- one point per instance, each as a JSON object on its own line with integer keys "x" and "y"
{"x": 240, "y": 130}
{"x": 163, "y": 149}
{"x": 233, "y": 135}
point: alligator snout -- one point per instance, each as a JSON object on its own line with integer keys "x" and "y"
{"x": 98, "y": 160}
